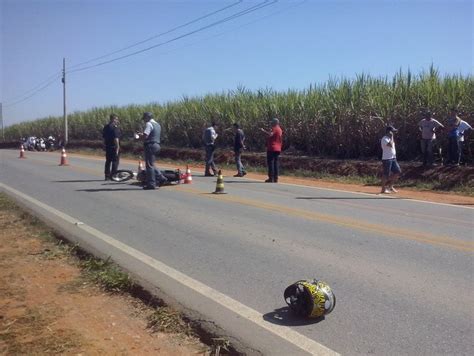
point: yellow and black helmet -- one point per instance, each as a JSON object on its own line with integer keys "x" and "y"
{"x": 310, "y": 298}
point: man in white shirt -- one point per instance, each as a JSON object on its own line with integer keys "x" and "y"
{"x": 428, "y": 128}
{"x": 391, "y": 168}
{"x": 209, "y": 137}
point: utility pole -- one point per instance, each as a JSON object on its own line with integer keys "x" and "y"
{"x": 64, "y": 103}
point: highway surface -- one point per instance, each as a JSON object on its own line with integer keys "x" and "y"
{"x": 402, "y": 270}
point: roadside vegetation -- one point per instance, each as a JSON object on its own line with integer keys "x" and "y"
{"x": 342, "y": 118}
{"x": 73, "y": 283}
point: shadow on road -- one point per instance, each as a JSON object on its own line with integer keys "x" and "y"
{"x": 283, "y": 316}
{"x": 243, "y": 181}
{"x": 77, "y": 181}
{"x": 345, "y": 198}
{"x": 107, "y": 190}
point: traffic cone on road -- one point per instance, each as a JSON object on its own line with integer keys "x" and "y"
{"x": 219, "y": 184}
{"x": 188, "y": 178}
{"x": 63, "y": 161}
{"x": 22, "y": 152}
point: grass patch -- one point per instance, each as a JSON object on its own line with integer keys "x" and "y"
{"x": 107, "y": 274}
{"x": 165, "y": 319}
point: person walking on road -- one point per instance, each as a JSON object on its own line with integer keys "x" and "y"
{"x": 391, "y": 168}
{"x": 209, "y": 137}
{"x": 239, "y": 146}
{"x": 111, "y": 134}
{"x": 151, "y": 137}
{"x": 428, "y": 128}
{"x": 274, "y": 143}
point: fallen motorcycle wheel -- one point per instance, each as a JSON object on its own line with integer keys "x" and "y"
{"x": 122, "y": 175}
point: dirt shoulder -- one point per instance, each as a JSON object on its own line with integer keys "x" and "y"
{"x": 406, "y": 193}
{"x": 47, "y": 306}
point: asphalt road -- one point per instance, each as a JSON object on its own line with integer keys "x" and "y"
{"x": 402, "y": 270}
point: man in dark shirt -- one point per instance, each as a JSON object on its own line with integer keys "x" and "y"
{"x": 111, "y": 134}
{"x": 239, "y": 146}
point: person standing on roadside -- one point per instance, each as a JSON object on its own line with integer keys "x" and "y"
{"x": 391, "y": 168}
{"x": 152, "y": 138}
{"x": 209, "y": 138}
{"x": 428, "y": 128}
{"x": 462, "y": 128}
{"x": 111, "y": 134}
{"x": 453, "y": 137}
{"x": 274, "y": 143}
{"x": 239, "y": 146}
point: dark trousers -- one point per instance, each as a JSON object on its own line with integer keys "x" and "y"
{"x": 111, "y": 159}
{"x": 210, "y": 160}
{"x": 454, "y": 150}
{"x": 152, "y": 173}
{"x": 272, "y": 164}
{"x": 427, "y": 151}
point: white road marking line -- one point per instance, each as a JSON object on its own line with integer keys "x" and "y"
{"x": 242, "y": 310}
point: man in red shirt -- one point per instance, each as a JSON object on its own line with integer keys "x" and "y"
{"x": 274, "y": 142}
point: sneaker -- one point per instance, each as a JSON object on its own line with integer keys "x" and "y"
{"x": 385, "y": 191}
{"x": 244, "y": 173}
{"x": 239, "y": 175}
{"x": 146, "y": 187}
{"x": 107, "y": 178}
{"x": 393, "y": 190}
{"x": 208, "y": 175}
{"x": 269, "y": 180}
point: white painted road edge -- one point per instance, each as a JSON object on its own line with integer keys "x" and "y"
{"x": 242, "y": 310}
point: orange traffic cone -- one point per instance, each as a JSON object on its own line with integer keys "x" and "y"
{"x": 22, "y": 152}
{"x": 63, "y": 158}
{"x": 188, "y": 178}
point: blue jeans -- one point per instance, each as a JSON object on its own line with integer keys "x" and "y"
{"x": 210, "y": 160}
{"x": 152, "y": 173}
{"x": 238, "y": 161}
{"x": 390, "y": 166}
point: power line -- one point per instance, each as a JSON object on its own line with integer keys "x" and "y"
{"x": 40, "y": 87}
{"x": 229, "y": 18}
{"x": 34, "y": 93}
{"x": 156, "y": 36}
{"x": 240, "y": 26}
{"x": 33, "y": 88}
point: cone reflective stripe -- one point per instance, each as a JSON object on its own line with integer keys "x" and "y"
{"x": 63, "y": 161}
{"x": 188, "y": 178}
{"x": 22, "y": 152}
{"x": 219, "y": 184}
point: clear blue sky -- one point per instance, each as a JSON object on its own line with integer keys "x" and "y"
{"x": 287, "y": 44}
